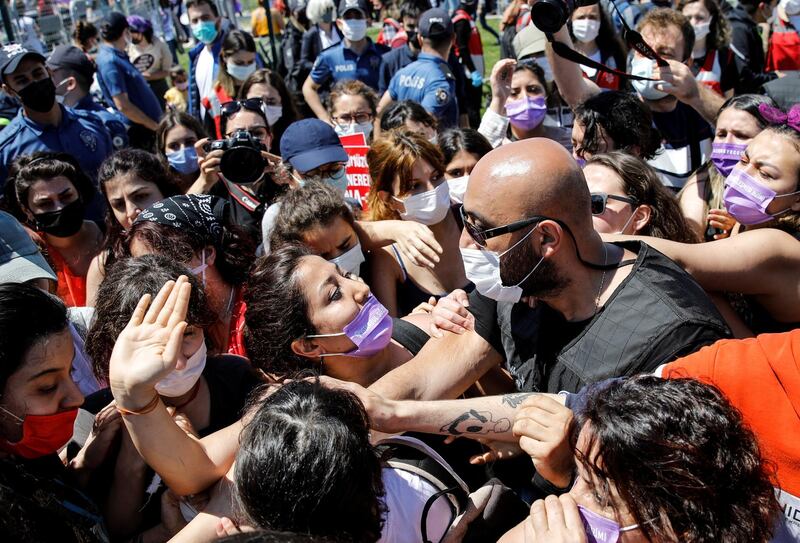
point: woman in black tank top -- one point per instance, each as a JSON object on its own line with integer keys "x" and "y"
{"x": 304, "y": 313}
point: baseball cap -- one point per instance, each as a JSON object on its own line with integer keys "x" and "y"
{"x": 72, "y": 58}
{"x": 310, "y": 143}
{"x": 20, "y": 259}
{"x": 529, "y": 41}
{"x": 361, "y": 5}
{"x": 435, "y": 22}
{"x": 12, "y": 54}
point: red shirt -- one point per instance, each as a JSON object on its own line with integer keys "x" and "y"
{"x": 236, "y": 334}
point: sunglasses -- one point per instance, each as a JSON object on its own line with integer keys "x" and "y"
{"x": 480, "y": 236}
{"x": 250, "y": 104}
{"x": 600, "y": 200}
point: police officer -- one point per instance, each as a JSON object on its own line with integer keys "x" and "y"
{"x": 429, "y": 80}
{"x": 43, "y": 124}
{"x": 356, "y": 57}
{"x": 72, "y": 74}
{"x": 124, "y": 86}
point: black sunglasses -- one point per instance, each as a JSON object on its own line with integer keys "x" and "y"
{"x": 250, "y": 104}
{"x": 600, "y": 199}
{"x": 480, "y": 236}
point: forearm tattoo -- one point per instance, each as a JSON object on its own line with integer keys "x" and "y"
{"x": 476, "y": 422}
{"x": 513, "y": 400}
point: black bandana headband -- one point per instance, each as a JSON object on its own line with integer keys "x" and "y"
{"x": 200, "y": 212}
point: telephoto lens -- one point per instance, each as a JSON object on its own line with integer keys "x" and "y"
{"x": 242, "y": 161}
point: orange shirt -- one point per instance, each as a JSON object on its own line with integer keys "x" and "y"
{"x": 71, "y": 287}
{"x": 236, "y": 335}
{"x": 761, "y": 377}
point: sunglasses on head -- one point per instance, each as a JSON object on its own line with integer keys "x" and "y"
{"x": 600, "y": 200}
{"x": 480, "y": 236}
{"x": 250, "y": 104}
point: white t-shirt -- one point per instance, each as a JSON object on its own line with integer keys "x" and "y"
{"x": 204, "y": 74}
{"x": 406, "y": 495}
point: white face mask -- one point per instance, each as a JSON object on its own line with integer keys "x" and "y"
{"x": 643, "y": 66}
{"x": 347, "y": 129}
{"x": 179, "y": 382}
{"x": 272, "y": 113}
{"x": 201, "y": 269}
{"x": 585, "y": 30}
{"x": 240, "y": 73}
{"x": 701, "y": 30}
{"x": 354, "y": 29}
{"x": 350, "y": 260}
{"x": 458, "y": 187}
{"x": 483, "y": 269}
{"x": 428, "y": 208}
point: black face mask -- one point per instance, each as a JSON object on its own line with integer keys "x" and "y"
{"x": 39, "y": 95}
{"x": 412, "y": 38}
{"x": 63, "y": 223}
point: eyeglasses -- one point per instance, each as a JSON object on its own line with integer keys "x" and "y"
{"x": 480, "y": 236}
{"x": 234, "y": 106}
{"x": 357, "y": 118}
{"x": 600, "y": 200}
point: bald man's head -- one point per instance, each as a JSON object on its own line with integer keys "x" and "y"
{"x": 535, "y": 176}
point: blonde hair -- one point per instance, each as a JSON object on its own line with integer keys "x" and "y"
{"x": 394, "y": 156}
{"x": 317, "y": 8}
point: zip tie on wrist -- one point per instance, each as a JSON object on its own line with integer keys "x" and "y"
{"x": 151, "y": 405}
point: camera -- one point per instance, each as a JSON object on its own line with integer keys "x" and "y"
{"x": 550, "y": 15}
{"x": 241, "y": 158}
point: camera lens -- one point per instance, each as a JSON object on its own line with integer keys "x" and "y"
{"x": 550, "y": 15}
{"x": 242, "y": 165}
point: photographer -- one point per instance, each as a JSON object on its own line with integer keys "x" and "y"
{"x": 238, "y": 168}
{"x": 681, "y": 105}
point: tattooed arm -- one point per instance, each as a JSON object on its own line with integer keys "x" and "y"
{"x": 490, "y": 416}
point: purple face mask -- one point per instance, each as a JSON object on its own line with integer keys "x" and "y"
{"x": 370, "y": 330}
{"x": 526, "y": 113}
{"x": 747, "y": 199}
{"x": 726, "y": 155}
{"x": 600, "y": 529}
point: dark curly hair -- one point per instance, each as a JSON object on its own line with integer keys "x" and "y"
{"x": 314, "y": 205}
{"x": 305, "y": 464}
{"x": 623, "y": 118}
{"x": 28, "y": 169}
{"x": 681, "y": 459}
{"x": 277, "y": 312}
{"x": 125, "y": 283}
{"x": 641, "y": 182}
{"x": 234, "y": 254}
{"x": 146, "y": 166}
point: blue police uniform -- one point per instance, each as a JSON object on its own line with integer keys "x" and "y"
{"x": 115, "y": 123}
{"x": 337, "y": 63}
{"x": 393, "y": 61}
{"x": 116, "y": 75}
{"x": 430, "y": 82}
{"x": 81, "y": 134}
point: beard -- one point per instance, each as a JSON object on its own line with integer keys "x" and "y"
{"x": 545, "y": 282}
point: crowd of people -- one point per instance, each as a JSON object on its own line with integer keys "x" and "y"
{"x": 364, "y": 290}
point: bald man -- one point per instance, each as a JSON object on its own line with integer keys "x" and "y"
{"x": 601, "y": 309}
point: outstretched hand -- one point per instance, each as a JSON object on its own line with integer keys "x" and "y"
{"x": 147, "y": 349}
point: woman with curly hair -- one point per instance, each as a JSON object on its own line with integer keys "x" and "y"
{"x": 194, "y": 229}
{"x": 654, "y": 460}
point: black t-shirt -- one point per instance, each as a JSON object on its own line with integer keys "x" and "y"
{"x": 657, "y": 314}
{"x": 686, "y": 144}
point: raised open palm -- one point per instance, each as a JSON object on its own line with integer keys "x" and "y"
{"x": 147, "y": 349}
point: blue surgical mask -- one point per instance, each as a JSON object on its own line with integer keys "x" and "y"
{"x": 240, "y": 72}
{"x": 337, "y": 180}
{"x": 184, "y": 161}
{"x": 205, "y": 31}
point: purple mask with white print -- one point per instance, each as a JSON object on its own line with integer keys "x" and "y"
{"x": 600, "y": 529}
{"x": 726, "y": 155}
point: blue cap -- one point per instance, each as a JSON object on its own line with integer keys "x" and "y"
{"x": 435, "y": 23}
{"x": 310, "y": 143}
